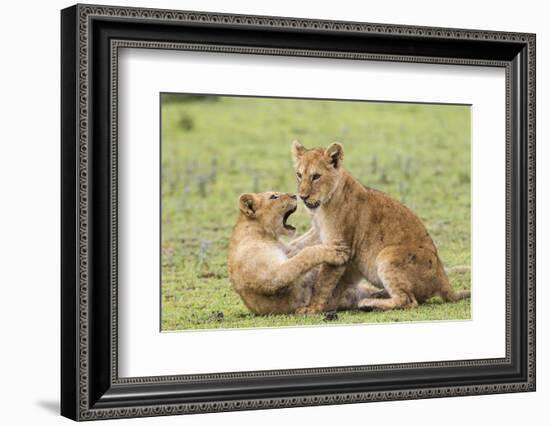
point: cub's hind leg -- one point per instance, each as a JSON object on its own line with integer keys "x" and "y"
{"x": 350, "y": 298}
{"x": 399, "y": 300}
{"x": 409, "y": 276}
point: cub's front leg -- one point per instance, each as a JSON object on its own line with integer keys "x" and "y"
{"x": 308, "y": 258}
{"x": 309, "y": 238}
{"x": 328, "y": 278}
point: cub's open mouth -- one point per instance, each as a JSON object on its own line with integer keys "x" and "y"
{"x": 286, "y": 216}
{"x": 312, "y": 205}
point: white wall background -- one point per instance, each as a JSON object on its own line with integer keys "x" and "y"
{"x": 29, "y": 211}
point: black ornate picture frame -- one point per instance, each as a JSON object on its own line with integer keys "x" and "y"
{"x": 91, "y": 36}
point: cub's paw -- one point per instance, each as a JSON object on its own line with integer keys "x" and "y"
{"x": 302, "y": 310}
{"x": 337, "y": 254}
{"x": 330, "y": 316}
{"x": 365, "y": 305}
{"x": 309, "y": 310}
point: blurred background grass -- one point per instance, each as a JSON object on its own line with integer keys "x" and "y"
{"x": 215, "y": 148}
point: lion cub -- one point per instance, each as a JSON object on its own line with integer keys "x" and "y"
{"x": 390, "y": 247}
{"x": 261, "y": 270}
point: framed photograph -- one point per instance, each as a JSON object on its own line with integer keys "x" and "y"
{"x": 263, "y": 212}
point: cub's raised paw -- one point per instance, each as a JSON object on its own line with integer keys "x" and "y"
{"x": 338, "y": 254}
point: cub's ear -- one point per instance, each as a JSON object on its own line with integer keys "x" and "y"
{"x": 247, "y": 204}
{"x": 335, "y": 154}
{"x": 297, "y": 151}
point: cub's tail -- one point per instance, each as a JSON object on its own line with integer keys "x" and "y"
{"x": 447, "y": 293}
{"x": 450, "y": 295}
{"x": 462, "y": 269}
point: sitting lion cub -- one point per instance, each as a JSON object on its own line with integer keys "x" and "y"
{"x": 261, "y": 268}
{"x": 390, "y": 247}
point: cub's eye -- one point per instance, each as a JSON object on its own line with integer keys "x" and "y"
{"x": 315, "y": 177}
{"x": 299, "y": 175}
{"x": 273, "y": 197}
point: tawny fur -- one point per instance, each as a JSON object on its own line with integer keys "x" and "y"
{"x": 272, "y": 277}
{"x": 389, "y": 245}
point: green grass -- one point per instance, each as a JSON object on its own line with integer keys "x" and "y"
{"x": 215, "y": 148}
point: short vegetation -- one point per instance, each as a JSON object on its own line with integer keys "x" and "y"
{"x": 215, "y": 148}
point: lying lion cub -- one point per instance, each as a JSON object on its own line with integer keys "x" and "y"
{"x": 390, "y": 246}
{"x": 261, "y": 268}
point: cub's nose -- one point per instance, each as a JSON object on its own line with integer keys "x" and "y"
{"x": 293, "y": 196}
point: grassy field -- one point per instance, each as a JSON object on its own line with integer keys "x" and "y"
{"x": 215, "y": 148}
